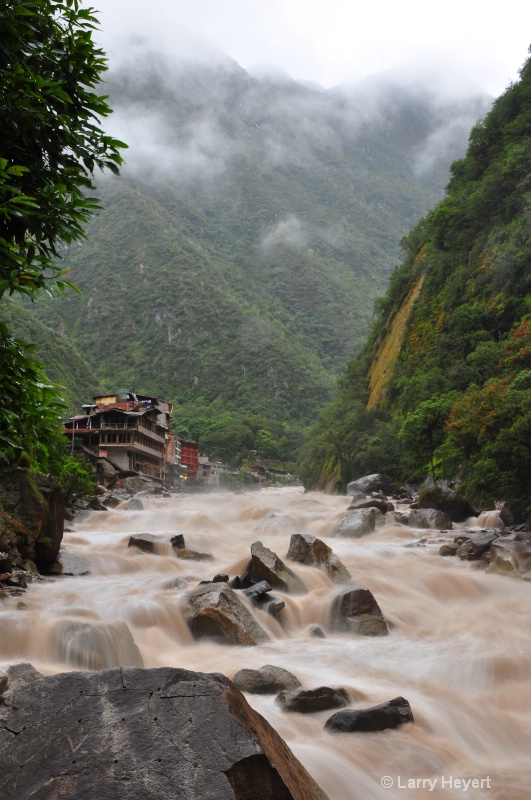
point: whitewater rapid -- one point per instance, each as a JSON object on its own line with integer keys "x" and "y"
{"x": 459, "y": 648}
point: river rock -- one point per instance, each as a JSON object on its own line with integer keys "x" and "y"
{"x": 214, "y": 611}
{"x": 193, "y": 554}
{"x": 448, "y": 549}
{"x": 112, "y": 501}
{"x": 145, "y": 541}
{"x": 36, "y": 509}
{"x": 443, "y": 498}
{"x": 472, "y": 545}
{"x": 307, "y": 549}
{"x": 132, "y": 734}
{"x": 378, "y": 718}
{"x": 358, "y": 523}
{"x": 355, "y": 610}
{"x": 383, "y": 506}
{"x": 70, "y": 564}
{"x": 95, "y": 645}
{"x": 265, "y": 565}
{"x": 309, "y": 701}
{"x": 369, "y": 483}
{"x": 266, "y": 680}
{"x": 134, "y": 504}
{"x": 511, "y": 557}
{"x": 429, "y": 518}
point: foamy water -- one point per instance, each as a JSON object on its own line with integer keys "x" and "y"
{"x": 459, "y": 647}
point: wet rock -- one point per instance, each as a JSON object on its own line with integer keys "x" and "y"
{"x": 511, "y": 557}
{"x": 242, "y": 581}
{"x": 6, "y": 564}
{"x": 369, "y": 483}
{"x": 265, "y": 565}
{"x": 220, "y": 578}
{"x": 177, "y": 541}
{"x": 168, "y": 734}
{"x": 4, "y": 681}
{"x": 316, "y": 631}
{"x": 443, "y": 498}
{"x": 355, "y": 610}
{"x": 471, "y": 546}
{"x": 359, "y": 522}
{"x": 273, "y": 605}
{"x": 147, "y": 542}
{"x": 378, "y": 718}
{"x": 215, "y": 612}
{"x": 309, "y": 701}
{"x": 429, "y": 518}
{"x": 506, "y": 516}
{"x": 23, "y": 674}
{"x": 307, "y": 549}
{"x": 266, "y": 680}
{"x": 134, "y": 504}
{"x": 449, "y": 549}
{"x": 112, "y": 501}
{"x": 195, "y": 554}
{"x": 18, "y": 579}
{"x": 36, "y": 507}
{"x": 371, "y": 502}
{"x": 95, "y": 504}
{"x": 95, "y": 645}
{"x": 69, "y": 564}
{"x": 257, "y": 590}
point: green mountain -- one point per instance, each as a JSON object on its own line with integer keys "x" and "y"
{"x": 444, "y": 383}
{"x": 239, "y": 254}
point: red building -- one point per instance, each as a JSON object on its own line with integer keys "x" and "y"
{"x": 190, "y": 458}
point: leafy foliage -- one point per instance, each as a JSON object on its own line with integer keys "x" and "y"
{"x": 459, "y": 391}
{"x": 51, "y": 142}
{"x": 50, "y": 147}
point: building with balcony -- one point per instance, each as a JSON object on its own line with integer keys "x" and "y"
{"x": 126, "y": 432}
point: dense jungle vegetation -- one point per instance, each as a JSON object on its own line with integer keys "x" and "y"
{"x": 443, "y": 385}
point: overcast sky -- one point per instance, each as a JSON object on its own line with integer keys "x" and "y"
{"x": 338, "y": 41}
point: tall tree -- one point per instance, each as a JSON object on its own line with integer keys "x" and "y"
{"x": 51, "y": 144}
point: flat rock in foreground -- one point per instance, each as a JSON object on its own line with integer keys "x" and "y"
{"x": 134, "y": 734}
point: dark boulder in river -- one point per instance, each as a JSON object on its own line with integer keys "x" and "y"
{"x": 134, "y": 734}
{"x": 378, "y": 718}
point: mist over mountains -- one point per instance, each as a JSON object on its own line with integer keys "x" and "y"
{"x": 256, "y": 220}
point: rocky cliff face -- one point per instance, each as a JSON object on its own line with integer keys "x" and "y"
{"x": 31, "y": 517}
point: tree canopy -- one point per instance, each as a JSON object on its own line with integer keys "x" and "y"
{"x": 50, "y": 147}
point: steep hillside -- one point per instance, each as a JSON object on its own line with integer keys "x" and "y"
{"x": 255, "y": 222}
{"x": 445, "y": 381}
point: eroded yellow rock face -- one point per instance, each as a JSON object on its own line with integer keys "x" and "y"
{"x": 383, "y": 364}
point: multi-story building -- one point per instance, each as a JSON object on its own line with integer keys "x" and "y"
{"x": 190, "y": 458}
{"x": 130, "y": 431}
{"x": 208, "y": 471}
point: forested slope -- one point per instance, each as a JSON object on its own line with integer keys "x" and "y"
{"x": 453, "y": 393}
{"x": 235, "y": 264}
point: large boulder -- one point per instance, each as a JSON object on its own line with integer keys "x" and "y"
{"x": 442, "y": 498}
{"x": 309, "y": 701}
{"x": 265, "y": 565}
{"x": 214, "y": 611}
{"x": 266, "y": 680}
{"x": 35, "y": 505}
{"x": 307, "y": 549}
{"x": 355, "y": 610}
{"x": 369, "y": 483}
{"x": 371, "y": 502}
{"x": 358, "y": 522}
{"x": 133, "y": 734}
{"x": 511, "y": 557}
{"x": 378, "y": 718}
{"x": 429, "y": 518}
{"x": 472, "y": 545}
